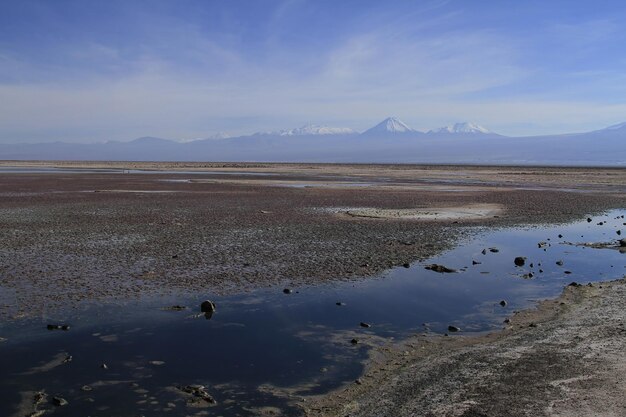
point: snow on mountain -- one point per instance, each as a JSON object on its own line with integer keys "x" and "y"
{"x": 461, "y": 128}
{"x": 618, "y": 126}
{"x": 390, "y": 125}
{"x": 311, "y": 129}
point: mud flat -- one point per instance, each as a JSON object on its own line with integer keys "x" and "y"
{"x": 564, "y": 358}
{"x": 69, "y": 237}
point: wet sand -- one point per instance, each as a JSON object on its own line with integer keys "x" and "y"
{"x": 70, "y": 238}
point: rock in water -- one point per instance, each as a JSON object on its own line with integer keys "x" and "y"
{"x": 59, "y": 401}
{"x": 366, "y": 325}
{"x": 503, "y": 303}
{"x": 520, "y": 261}
{"x": 454, "y": 329}
{"x": 439, "y": 268}
{"x": 287, "y": 291}
{"x": 622, "y": 243}
{"x": 207, "y": 306}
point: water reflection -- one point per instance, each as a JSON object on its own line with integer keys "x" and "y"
{"x": 300, "y": 342}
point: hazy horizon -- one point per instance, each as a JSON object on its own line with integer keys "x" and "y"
{"x": 85, "y": 71}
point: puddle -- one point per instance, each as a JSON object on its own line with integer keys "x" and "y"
{"x": 259, "y": 343}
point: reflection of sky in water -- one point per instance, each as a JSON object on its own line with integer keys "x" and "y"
{"x": 269, "y": 338}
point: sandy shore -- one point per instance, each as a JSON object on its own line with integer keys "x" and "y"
{"x": 564, "y": 358}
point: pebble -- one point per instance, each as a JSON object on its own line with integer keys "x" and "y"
{"x": 207, "y": 306}
{"x": 287, "y": 291}
{"x": 366, "y": 325}
{"x": 454, "y": 329}
{"x": 59, "y": 401}
{"x": 503, "y": 303}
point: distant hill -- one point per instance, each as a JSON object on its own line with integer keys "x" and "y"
{"x": 391, "y": 141}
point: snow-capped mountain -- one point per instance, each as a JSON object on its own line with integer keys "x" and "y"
{"x": 464, "y": 128}
{"x": 389, "y": 127}
{"x": 311, "y": 130}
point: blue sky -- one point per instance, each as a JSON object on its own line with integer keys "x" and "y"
{"x": 99, "y": 70}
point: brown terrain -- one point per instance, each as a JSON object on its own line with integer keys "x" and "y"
{"x": 100, "y": 235}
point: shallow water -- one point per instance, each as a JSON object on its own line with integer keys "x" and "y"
{"x": 299, "y": 341}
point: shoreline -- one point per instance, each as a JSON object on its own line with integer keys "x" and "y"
{"x": 563, "y": 357}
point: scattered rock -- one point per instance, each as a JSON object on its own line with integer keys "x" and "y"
{"x": 520, "y": 261}
{"x": 503, "y": 303}
{"x": 439, "y": 268}
{"x": 476, "y": 263}
{"x": 560, "y": 236}
{"x": 574, "y": 284}
{"x": 104, "y": 366}
{"x": 589, "y": 220}
{"x": 542, "y": 245}
{"x": 494, "y": 250}
{"x": 622, "y": 243}
{"x": 567, "y": 272}
{"x": 528, "y": 275}
{"x": 157, "y": 363}
{"x": 339, "y": 303}
{"x": 454, "y": 329}
{"x": 507, "y": 320}
{"x": 366, "y": 325}
{"x": 484, "y": 251}
{"x": 406, "y": 265}
{"x": 68, "y": 358}
{"x": 207, "y": 306}
{"x": 287, "y": 291}
{"x": 86, "y": 388}
{"x": 59, "y": 401}
{"x": 532, "y": 325}
{"x": 619, "y": 232}
{"x": 358, "y": 382}
{"x": 354, "y": 341}
{"x": 559, "y": 263}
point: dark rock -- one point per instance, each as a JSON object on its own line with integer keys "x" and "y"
{"x": 507, "y": 320}
{"x": 484, "y": 251}
{"x": 503, "y": 303}
{"x": 574, "y": 284}
{"x": 287, "y": 291}
{"x": 58, "y": 327}
{"x": 559, "y": 263}
{"x": 174, "y": 256}
{"x": 358, "y": 382}
{"x": 198, "y": 391}
{"x": 207, "y": 306}
{"x": 439, "y": 268}
{"x": 589, "y": 220}
{"x": 354, "y": 341}
{"x": 366, "y": 325}
{"x": 476, "y": 263}
{"x": 68, "y": 359}
{"x": 453, "y": 329}
{"x": 541, "y": 245}
{"x": 339, "y": 303}
{"x": 406, "y": 265}
{"x": 86, "y": 388}
{"x": 175, "y": 308}
{"x": 494, "y": 250}
{"x": 567, "y": 272}
{"x": 532, "y": 325}
{"x": 619, "y": 232}
{"x": 622, "y": 243}
{"x": 560, "y": 236}
{"x": 104, "y": 366}
{"x": 59, "y": 401}
{"x": 520, "y": 261}
{"x": 541, "y": 271}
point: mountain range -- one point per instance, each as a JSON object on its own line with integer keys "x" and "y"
{"x": 391, "y": 141}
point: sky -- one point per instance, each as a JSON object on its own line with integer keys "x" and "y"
{"x": 90, "y": 71}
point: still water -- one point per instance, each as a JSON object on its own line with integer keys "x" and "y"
{"x": 268, "y": 348}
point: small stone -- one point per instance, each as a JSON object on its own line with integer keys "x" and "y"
{"x": 207, "y": 306}
{"x": 494, "y": 250}
{"x": 619, "y": 232}
{"x": 354, "y": 341}
{"x": 104, "y": 366}
{"x": 503, "y": 303}
{"x": 532, "y": 325}
{"x": 358, "y": 382}
{"x": 567, "y": 272}
{"x": 339, "y": 303}
{"x": 86, "y": 388}
{"x": 59, "y": 401}
{"x": 507, "y": 320}
{"x": 476, "y": 263}
{"x": 622, "y": 243}
{"x": 520, "y": 261}
{"x": 560, "y": 236}
{"x": 406, "y": 265}
{"x": 366, "y": 325}
{"x": 484, "y": 251}
{"x": 589, "y": 220}
{"x": 453, "y": 329}
{"x": 559, "y": 263}
{"x": 287, "y": 291}
{"x": 439, "y": 268}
